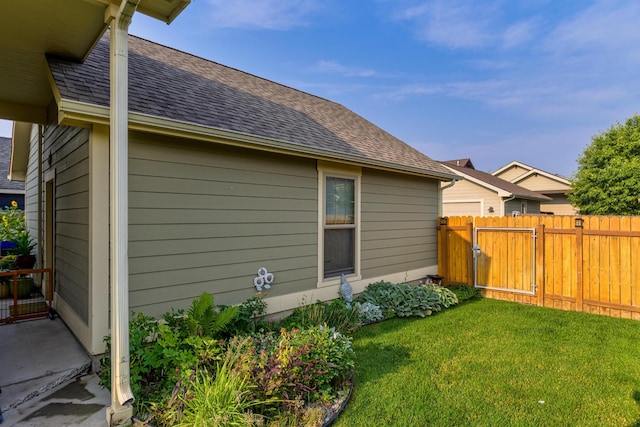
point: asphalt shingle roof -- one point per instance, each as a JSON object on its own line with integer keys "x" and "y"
{"x": 500, "y": 183}
{"x": 171, "y": 84}
{"x": 5, "y": 163}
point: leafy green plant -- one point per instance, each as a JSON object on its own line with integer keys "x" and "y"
{"x": 464, "y": 292}
{"x": 205, "y": 319}
{"x": 221, "y": 397}
{"x": 337, "y": 314}
{"x": 8, "y": 262}
{"x": 295, "y": 365}
{"x": 368, "y": 312}
{"x": 24, "y": 243}
{"x": 447, "y": 297}
{"x": 401, "y": 300}
{"x": 160, "y": 354}
{"x": 249, "y": 317}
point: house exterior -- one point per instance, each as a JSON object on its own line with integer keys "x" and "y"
{"x": 9, "y": 190}
{"x": 551, "y": 185}
{"x": 228, "y": 172}
{"x": 482, "y": 194}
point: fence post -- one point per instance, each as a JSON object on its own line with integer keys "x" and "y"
{"x": 443, "y": 250}
{"x": 579, "y": 264}
{"x": 540, "y": 264}
{"x": 470, "y": 272}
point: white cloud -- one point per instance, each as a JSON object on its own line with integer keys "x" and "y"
{"x": 452, "y": 23}
{"x": 519, "y": 34}
{"x": 261, "y": 14}
{"x": 605, "y": 27}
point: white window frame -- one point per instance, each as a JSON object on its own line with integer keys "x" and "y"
{"x": 326, "y": 169}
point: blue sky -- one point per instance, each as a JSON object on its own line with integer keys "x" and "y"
{"x": 495, "y": 81}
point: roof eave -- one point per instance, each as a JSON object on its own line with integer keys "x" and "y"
{"x": 75, "y": 113}
{"x": 19, "y": 151}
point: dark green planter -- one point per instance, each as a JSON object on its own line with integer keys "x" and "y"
{"x": 25, "y": 286}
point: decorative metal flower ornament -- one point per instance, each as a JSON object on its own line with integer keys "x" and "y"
{"x": 263, "y": 280}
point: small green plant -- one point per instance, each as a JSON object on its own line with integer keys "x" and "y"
{"x": 24, "y": 243}
{"x": 161, "y": 353}
{"x": 297, "y": 365}
{"x": 464, "y": 292}
{"x": 401, "y": 300}
{"x": 205, "y": 319}
{"x": 337, "y": 314}
{"x": 8, "y": 262}
{"x": 447, "y": 297}
{"x": 249, "y": 317}
{"x": 368, "y": 312}
{"x": 221, "y": 397}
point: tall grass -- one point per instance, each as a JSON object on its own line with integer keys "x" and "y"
{"x": 495, "y": 363}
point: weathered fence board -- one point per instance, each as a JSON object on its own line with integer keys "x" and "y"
{"x": 594, "y": 268}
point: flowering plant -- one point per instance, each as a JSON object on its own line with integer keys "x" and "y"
{"x": 13, "y": 222}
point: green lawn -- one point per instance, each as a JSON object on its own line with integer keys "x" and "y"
{"x": 495, "y": 363}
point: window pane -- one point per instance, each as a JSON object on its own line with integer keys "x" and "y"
{"x": 339, "y": 251}
{"x": 340, "y": 201}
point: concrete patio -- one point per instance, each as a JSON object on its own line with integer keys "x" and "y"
{"x": 45, "y": 377}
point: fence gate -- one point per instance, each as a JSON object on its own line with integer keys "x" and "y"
{"x": 504, "y": 259}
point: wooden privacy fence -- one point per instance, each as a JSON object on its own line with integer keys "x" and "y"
{"x": 588, "y": 263}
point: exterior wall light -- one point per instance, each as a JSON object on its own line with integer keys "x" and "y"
{"x": 579, "y": 222}
{"x": 444, "y": 220}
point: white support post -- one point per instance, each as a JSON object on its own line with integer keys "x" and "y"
{"x": 121, "y": 409}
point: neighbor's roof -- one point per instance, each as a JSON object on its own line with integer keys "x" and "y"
{"x": 5, "y": 162}
{"x": 181, "y": 88}
{"x": 529, "y": 170}
{"x": 464, "y": 163}
{"x": 488, "y": 180}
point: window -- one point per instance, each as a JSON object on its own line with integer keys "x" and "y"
{"x": 523, "y": 207}
{"x": 339, "y": 223}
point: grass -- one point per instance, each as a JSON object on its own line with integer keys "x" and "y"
{"x": 496, "y": 363}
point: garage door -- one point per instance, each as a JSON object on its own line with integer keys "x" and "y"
{"x": 461, "y": 208}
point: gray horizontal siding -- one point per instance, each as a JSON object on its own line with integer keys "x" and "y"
{"x": 68, "y": 149}
{"x": 206, "y": 217}
{"x": 398, "y": 223}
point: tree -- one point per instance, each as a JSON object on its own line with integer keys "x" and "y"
{"x": 608, "y": 178}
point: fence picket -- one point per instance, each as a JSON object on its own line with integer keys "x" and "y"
{"x": 593, "y": 269}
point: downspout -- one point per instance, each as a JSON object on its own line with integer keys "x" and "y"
{"x": 122, "y": 398}
{"x": 504, "y": 204}
{"x": 451, "y": 184}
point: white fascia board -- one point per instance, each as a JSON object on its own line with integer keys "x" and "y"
{"x": 82, "y": 113}
{"x": 509, "y": 165}
{"x": 543, "y": 173}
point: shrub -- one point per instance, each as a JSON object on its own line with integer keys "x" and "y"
{"x": 248, "y": 319}
{"x": 300, "y": 365}
{"x": 337, "y": 314}
{"x": 464, "y": 292}
{"x": 223, "y": 398}
{"x": 162, "y": 352}
{"x": 368, "y": 312}
{"x": 447, "y": 297}
{"x": 402, "y": 300}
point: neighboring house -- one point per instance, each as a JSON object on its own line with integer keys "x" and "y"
{"x": 228, "y": 172}
{"x": 551, "y": 185}
{"x": 9, "y": 190}
{"x": 482, "y": 194}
